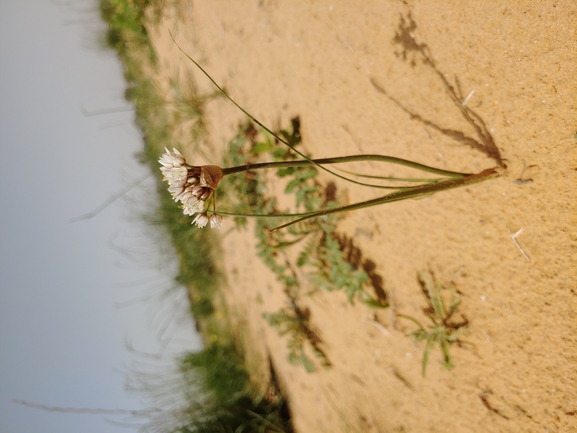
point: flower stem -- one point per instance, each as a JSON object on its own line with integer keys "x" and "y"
{"x": 408, "y": 193}
{"x": 343, "y": 159}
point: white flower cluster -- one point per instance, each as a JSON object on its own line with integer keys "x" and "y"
{"x": 188, "y": 184}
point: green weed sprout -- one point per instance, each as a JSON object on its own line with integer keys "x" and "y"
{"x": 195, "y": 187}
{"x": 442, "y": 331}
{"x": 333, "y": 272}
{"x": 295, "y": 323}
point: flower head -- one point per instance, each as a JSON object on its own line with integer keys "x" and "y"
{"x": 192, "y": 186}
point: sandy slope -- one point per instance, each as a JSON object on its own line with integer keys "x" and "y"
{"x": 319, "y": 60}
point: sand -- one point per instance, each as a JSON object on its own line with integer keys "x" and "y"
{"x": 354, "y": 74}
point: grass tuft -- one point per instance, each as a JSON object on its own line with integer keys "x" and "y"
{"x": 217, "y": 374}
{"x": 442, "y": 331}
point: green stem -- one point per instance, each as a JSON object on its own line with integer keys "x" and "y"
{"x": 395, "y": 179}
{"x": 343, "y": 159}
{"x": 405, "y": 194}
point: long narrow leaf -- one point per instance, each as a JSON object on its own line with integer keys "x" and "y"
{"x": 405, "y": 194}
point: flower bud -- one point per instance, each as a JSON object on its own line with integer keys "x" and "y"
{"x": 216, "y": 221}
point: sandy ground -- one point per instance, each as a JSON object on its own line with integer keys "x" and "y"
{"x": 341, "y": 66}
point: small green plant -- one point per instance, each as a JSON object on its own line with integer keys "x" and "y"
{"x": 332, "y": 271}
{"x": 442, "y": 331}
{"x": 294, "y": 321}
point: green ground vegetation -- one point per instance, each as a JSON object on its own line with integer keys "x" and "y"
{"x": 221, "y": 399}
{"x": 315, "y": 243}
{"x": 226, "y": 403}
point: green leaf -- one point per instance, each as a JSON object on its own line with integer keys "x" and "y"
{"x": 262, "y": 147}
{"x": 309, "y": 173}
{"x": 455, "y": 335}
{"x": 292, "y": 185}
{"x": 370, "y": 302}
{"x": 279, "y": 154}
{"x": 309, "y": 366}
{"x": 282, "y": 172}
{"x": 426, "y": 355}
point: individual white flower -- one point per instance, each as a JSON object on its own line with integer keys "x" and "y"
{"x": 175, "y": 175}
{"x": 172, "y": 159}
{"x": 193, "y": 205}
{"x": 201, "y": 220}
{"x": 176, "y": 191}
{"x": 184, "y": 196}
{"x": 216, "y": 221}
